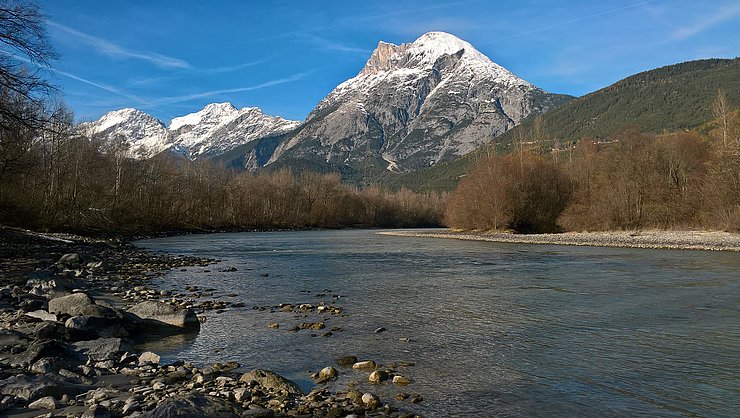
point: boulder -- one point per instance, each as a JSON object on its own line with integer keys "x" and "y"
{"x": 78, "y": 304}
{"x": 95, "y": 326}
{"x": 271, "y": 381}
{"x": 166, "y": 314}
{"x": 39, "y": 349}
{"x": 45, "y": 365}
{"x": 47, "y": 402}
{"x": 103, "y": 349}
{"x": 27, "y": 387}
{"x": 148, "y": 358}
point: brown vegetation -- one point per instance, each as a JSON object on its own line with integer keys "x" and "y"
{"x": 634, "y": 181}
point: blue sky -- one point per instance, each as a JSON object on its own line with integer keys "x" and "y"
{"x": 170, "y": 58}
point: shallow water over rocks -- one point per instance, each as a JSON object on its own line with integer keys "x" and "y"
{"x": 480, "y": 328}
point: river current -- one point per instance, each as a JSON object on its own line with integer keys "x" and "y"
{"x": 491, "y": 329}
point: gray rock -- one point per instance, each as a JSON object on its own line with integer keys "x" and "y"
{"x": 401, "y": 380}
{"x": 148, "y": 358}
{"x": 45, "y": 366}
{"x": 166, "y": 314}
{"x": 95, "y": 326}
{"x": 271, "y": 380}
{"x": 42, "y": 315}
{"x": 47, "y": 402}
{"x": 78, "y": 304}
{"x": 103, "y": 349}
{"x": 27, "y": 387}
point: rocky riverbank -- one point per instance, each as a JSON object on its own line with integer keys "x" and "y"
{"x": 71, "y": 310}
{"x": 674, "y": 240}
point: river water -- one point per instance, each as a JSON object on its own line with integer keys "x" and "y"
{"x": 494, "y": 329}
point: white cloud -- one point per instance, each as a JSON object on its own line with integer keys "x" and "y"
{"x": 188, "y": 97}
{"x": 722, "y": 15}
{"x": 109, "y": 48}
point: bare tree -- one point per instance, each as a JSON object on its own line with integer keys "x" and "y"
{"x": 723, "y": 115}
{"x": 25, "y": 51}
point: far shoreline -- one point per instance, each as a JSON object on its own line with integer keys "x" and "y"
{"x": 649, "y": 239}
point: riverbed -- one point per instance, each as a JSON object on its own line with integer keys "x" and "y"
{"x": 481, "y": 328}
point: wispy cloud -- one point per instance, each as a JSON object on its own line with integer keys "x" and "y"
{"x": 111, "y": 49}
{"x": 722, "y": 15}
{"x": 193, "y": 96}
{"x": 101, "y": 86}
{"x": 230, "y": 68}
{"x": 332, "y": 45}
{"x": 568, "y": 22}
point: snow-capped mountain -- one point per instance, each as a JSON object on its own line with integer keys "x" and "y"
{"x": 414, "y": 105}
{"x": 214, "y": 130}
{"x": 220, "y": 127}
{"x": 145, "y": 135}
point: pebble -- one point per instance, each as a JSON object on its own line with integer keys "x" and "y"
{"x": 368, "y": 364}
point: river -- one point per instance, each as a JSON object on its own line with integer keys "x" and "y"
{"x": 493, "y": 329}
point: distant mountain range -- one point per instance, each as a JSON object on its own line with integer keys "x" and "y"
{"x": 669, "y": 98}
{"x": 412, "y": 106}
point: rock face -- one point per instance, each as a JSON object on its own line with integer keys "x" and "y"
{"x": 414, "y": 105}
{"x": 166, "y": 314}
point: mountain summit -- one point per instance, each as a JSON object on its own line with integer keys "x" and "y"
{"x": 413, "y": 105}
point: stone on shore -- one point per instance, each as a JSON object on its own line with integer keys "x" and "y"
{"x": 149, "y": 358}
{"x": 328, "y": 373}
{"x": 166, "y": 313}
{"x": 78, "y": 304}
{"x": 271, "y": 380}
{"x": 368, "y": 364}
{"x": 47, "y": 402}
{"x": 378, "y": 376}
{"x": 370, "y": 400}
{"x": 42, "y": 315}
{"x": 103, "y": 349}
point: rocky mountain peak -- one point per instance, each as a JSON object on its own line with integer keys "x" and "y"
{"x": 213, "y": 112}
